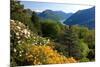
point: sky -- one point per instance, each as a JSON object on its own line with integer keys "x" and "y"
{"x": 65, "y": 7}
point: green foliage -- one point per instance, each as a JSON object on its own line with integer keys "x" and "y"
{"x": 13, "y": 62}
{"x": 90, "y": 39}
{"x": 50, "y": 15}
{"x": 16, "y": 6}
{"x": 72, "y": 43}
{"x": 91, "y": 54}
{"x": 61, "y": 48}
{"x": 84, "y": 50}
{"x": 81, "y": 31}
{"x": 84, "y": 60}
{"x": 36, "y": 22}
{"x": 28, "y": 12}
{"x": 87, "y": 35}
{"x": 21, "y": 37}
{"x": 50, "y": 29}
{"x": 23, "y": 15}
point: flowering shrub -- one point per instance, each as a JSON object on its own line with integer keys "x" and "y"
{"x": 27, "y": 48}
{"x": 40, "y": 40}
{"x": 20, "y": 30}
{"x": 23, "y": 34}
{"x": 43, "y": 54}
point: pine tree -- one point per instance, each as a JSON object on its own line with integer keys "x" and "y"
{"x": 72, "y": 42}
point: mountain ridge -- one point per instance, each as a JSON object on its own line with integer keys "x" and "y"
{"x": 82, "y": 17}
{"x": 54, "y": 15}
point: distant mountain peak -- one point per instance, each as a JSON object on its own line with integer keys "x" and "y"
{"x": 54, "y": 15}
{"x": 47, "y": 10}
{"x": 84, "y": 17}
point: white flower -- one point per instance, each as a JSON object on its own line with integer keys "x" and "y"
{"x": 20, "y": 55}
{"x": 20, "y": 52}
{"x": 25, "y": 31}
{"x": 18, "y": 27}
{"x": 28, "y": 33}
{"x": 48, "y": 40}
{"x": 20, "y": 23}
{"x": 12, "y": 20}
{"x": 18, "y": 37}
{"x": 17, "y": 33}
{"x": 19, "y": 41}
{"x": 15, "y": 50}
{"x": 28, "y": 36}
{"x": 35, "y": 43}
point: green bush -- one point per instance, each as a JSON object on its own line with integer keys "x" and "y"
{"x": 61, "y": 49}
{"x": 91, "y": 55}
{"x": 50, "y": 29}
{"x": 84, "y": 50}
{"x": 23, "y": 15}
{"x": 84, "y": 60}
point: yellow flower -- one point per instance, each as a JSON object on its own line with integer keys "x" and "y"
{"x": 45, "y": 54}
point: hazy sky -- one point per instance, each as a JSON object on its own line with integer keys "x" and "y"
{"x": 66, "y": 7}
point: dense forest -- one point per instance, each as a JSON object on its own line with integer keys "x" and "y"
{"x": 34, "y": 41}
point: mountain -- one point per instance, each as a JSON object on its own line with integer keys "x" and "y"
{"x": 54, "y": 15}
{"x": 84, "y": 17}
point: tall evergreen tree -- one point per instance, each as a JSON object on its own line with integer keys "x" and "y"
{"x": 72, "y": 42}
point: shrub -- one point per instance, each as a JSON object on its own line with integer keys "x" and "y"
{"x": 91, "y": 55}
{"x": 84, "y": 50}
{"x": 50, "y": 29}
{"x": 44, "y": 54}
{"x": 21, "y": 37}
{"x": 84, "y": 60}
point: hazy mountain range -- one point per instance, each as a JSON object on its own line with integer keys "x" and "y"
{"x": 54, "y": 15}
{"x": 84, "y": 17}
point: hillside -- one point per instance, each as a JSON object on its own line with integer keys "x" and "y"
{"x": 32, "y": 48}
{"x": 54, "y": 15}
{"x": 40, "y": 41}
{"x": 83, "y": 18}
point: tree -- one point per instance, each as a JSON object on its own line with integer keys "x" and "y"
{"x": 23, "y": 15}
{"x": 91, "y": 55}
{"x": 36, "y": 22}
{"x": 84, "y": 50}
{"x": 50, "y": 29}
{"x": 90, "y": 39}
{"x": 72, "y": 42}
{"x": 16, "y": 7}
